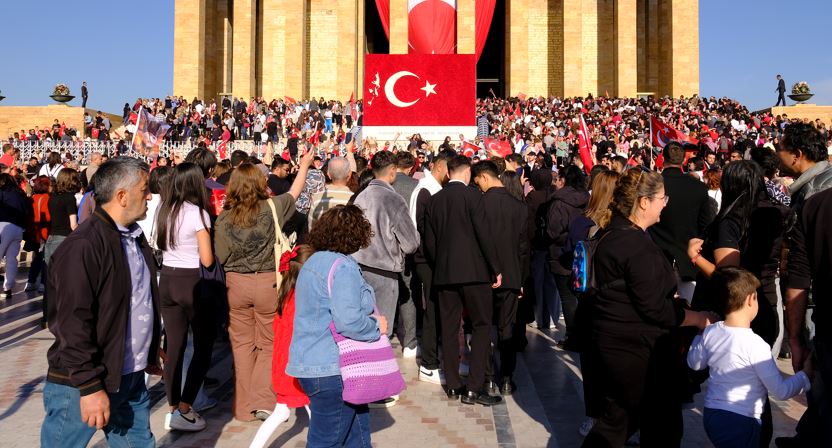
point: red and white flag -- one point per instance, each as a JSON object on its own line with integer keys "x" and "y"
{"x": 431, "y": 26}
{"x": 662, "y": 134}
{"x": 353, "y": 110}
{"x": 469, "y": 149}
{"x": 497, "y": 147}
{"x": 420, "y": 90}
{"x": 585, "y": 146}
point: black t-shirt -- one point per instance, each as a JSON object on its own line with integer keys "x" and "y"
{"x": 760, "y": 249}
{"x": 278, "y": 185}
{"x": 60, "y": 207}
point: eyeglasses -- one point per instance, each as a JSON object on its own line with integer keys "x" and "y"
{"x": 664, "y": 198}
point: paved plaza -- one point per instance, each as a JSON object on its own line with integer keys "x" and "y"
{"x": 545, "y": 411}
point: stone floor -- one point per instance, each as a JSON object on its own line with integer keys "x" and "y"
{"x": 545, "y": 411}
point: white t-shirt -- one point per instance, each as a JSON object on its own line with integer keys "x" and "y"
{"x": 186, "y": 253}
{"x": 742, "y": 371}
{"x": 149, "y": 222}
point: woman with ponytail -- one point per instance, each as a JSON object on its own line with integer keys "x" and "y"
{"x": 632, "y": 319}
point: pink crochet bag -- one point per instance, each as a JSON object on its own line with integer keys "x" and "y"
{"x": 368, "y": 369}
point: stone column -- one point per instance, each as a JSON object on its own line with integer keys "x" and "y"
{"x": 678, "y": 47}
{"x": 398, "y": 27}
{"x": 626, "y": 56}
{"x": 284, "y": 49}
{"x": 244, "y": 29}
{"x": 466, "y": 19}
{"x": 573, "y": 63}
{"x": 189, "y": 48}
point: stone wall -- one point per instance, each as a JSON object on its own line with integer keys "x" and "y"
{"x": 806, "y": 111}
{"x": 16, "y": 118}
{"x": 303, "y": 48}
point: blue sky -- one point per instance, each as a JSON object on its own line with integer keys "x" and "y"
{"x": 125, "y": 49}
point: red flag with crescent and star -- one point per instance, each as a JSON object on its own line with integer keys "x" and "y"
{"x": 420, "y": 90}
{"x": 469, "y": 149}
{"x": 497, "y": 147}
{"x": 662, "y": 134}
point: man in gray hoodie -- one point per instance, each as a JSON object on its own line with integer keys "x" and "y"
{"x": 394, "y": 235}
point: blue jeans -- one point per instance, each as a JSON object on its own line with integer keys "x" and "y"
{"x": 334, "y": 422}
{"x": 129, "y": 424}
{"x": 730, "y": 430}
{"x": 547, "y": 299}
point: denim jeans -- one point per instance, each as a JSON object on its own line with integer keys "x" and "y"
{"x": 11, "y": 237}
{"x": 730, "y": 430}
{"x": 547, "y": 299}
{"x": 334, "y": 422}
{"x": 129, "y": 424}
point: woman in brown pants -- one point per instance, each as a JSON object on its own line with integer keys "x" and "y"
{"x": 244, "y": 240}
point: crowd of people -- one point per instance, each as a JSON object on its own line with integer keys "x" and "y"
{"x": 695, "y": 264}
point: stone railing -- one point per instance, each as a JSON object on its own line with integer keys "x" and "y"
{"x": 81, "y": 150}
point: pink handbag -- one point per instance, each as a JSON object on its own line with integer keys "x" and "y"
{"x": 368, "y": 369}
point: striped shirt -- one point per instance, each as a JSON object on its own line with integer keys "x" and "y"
{"x": 332, "y": 196}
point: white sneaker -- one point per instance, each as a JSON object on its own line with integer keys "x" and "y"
{"x": 385, "y": 403}
{"x": 586, "y": 426}
{"x": 463, "y": 369}
{"x": 434, "y": 376}
{"x": 409, "y": 353}
{"x": 189, "y": 421}
{"x": 167, "y": 421}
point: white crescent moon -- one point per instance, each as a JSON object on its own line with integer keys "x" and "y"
{"x": 661, "y": 141}
{"x": 391, "y": 84}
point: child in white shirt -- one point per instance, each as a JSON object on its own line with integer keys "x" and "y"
{"x": 742, "y": 370}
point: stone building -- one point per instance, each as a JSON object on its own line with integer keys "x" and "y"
{"x": 303, "y": 48}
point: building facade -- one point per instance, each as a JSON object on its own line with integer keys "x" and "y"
{"x": 304, "y": 48}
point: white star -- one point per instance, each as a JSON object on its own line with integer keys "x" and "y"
{"x": 428, "y": 88}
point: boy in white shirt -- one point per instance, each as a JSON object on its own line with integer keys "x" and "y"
{"x": 742, "y": 370}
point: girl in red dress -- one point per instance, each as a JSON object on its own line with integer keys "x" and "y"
{"x": 289, "y": 393}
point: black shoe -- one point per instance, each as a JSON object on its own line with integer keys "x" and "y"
{"x": 454, "y": 394}
{"x": 491, "y": 388}
{"x": 508, "y": 387}
{"x": 472, "y": 397}
{"x": 787, "y": 442}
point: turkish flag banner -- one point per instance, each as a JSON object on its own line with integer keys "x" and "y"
{"x": 662, "y": 134}
{"x": 420, "y": 90}
{"x": 497, "y": 147}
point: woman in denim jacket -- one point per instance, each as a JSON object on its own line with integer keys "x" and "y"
{"x": 313, "y": 355}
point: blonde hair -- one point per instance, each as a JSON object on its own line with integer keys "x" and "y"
{"x": 598, "y": 209}
{"x": 634, "y": 184}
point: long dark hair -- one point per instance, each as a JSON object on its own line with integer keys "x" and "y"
{"x": 186, "y": 185}
{"x": 742, "y": 189}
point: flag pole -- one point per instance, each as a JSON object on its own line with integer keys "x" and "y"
{"x": 138, "y": 120}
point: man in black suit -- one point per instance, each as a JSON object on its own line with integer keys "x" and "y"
{"x": 84, "y": 94}
{"x": 781, "y": 90}
{"x": 465, "y": 264}
{"x": 505, "y": 222}
{"x": 686, "y": 215}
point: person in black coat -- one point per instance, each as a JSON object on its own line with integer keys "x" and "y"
{"x": 781, "y": 91}
{"x": 684, "y": 218}
{"x": 568, "y": 201}
{"x": 505, "y": 221}
{"x": 630, "y": 319}
{"x": 466, "y": 267}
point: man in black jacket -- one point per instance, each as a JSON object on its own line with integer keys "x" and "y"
{"x": 685, "y": 216}
{"x": 810, "y": 266}
{"x": 781, "y": 91}
{"x": 105, "y": 318}
{"x": 465, "y": 266}
{"x": 505, "y": 222}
